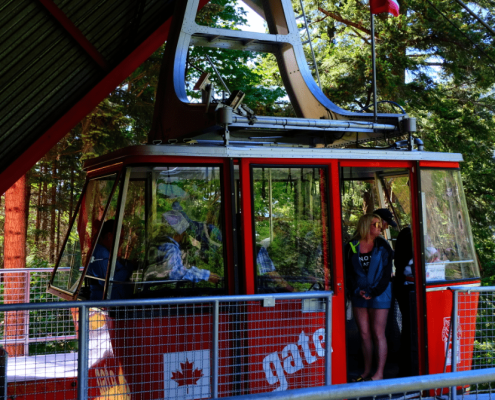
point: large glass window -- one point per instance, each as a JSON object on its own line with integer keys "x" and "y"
{"x": 365, "y": 189}
{"x": 172, "y": 231}
{"x": 82, "y": 236}
{"x": 291, "y": 229}
{"x": 449, "y": 251}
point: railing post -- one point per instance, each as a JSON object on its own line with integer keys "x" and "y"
{"x": 215, "y": 350}
{"x": 27, "y": 299}
{"x": 328, "y": 340}
{"x": 4, "y": 358}
{"x": 454, "y": 340}
{"x": 82, "y": 360}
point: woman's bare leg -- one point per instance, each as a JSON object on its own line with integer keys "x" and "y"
{"x": 378, "y": 325}
{"x": 363, "y": 323}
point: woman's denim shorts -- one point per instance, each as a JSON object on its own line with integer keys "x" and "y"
{"x": 382, "y": 301}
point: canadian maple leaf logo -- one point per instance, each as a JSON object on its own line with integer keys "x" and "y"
{"x": 187, "y": 376}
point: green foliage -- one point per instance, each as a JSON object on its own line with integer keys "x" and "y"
{"x": 428, "y": 66}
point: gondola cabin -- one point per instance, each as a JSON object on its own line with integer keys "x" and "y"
{"x": 264, "y": 220}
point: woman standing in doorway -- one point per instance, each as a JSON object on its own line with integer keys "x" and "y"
{"x": 369, "y": 267}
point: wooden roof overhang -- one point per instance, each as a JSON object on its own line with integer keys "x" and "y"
{"x": 60, "y": 58}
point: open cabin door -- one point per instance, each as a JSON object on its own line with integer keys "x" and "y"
{"x": 366, "y": 187}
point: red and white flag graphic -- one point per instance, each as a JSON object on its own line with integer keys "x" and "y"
{"x": 381, "y": 6}
{"x": 187, "y": 375}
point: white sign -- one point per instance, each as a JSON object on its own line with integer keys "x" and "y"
{"x": 435, "y": 272}
{"x": 187, "y": 375}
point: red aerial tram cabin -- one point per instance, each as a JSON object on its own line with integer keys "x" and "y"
{"x": 298, "y": 204}
{"x": 262, "y": 205}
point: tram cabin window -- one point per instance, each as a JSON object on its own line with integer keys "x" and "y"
{"x": 367, "y": 189}
{"x": 171, "y": 236}
{"x": 175, "y": 233}
{"x": 449, "y": 250}
{"x": 84, "y": 232}
{"x": 291, "y": 243}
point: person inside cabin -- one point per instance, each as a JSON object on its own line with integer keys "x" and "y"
{"x": 99, "y": 265}
{"x": 279, "y": 246}
{"x": 386, "y": 217}
{"x": 368, "y": 263}
{"x": 172, "y": 258}
{"x": 268, "y": 272}
{"x": 208, "y": 235}
{"x": 403, "y": 287}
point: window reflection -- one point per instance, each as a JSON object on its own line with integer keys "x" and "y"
{"x": 291, "y": 249}
{"x": 449, "y": 251}
{"x": 83, "y": 234}
{"x": 175, "y": 235}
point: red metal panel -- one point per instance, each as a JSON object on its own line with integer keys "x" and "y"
{"x": 295, "y": 359}
{"x": 40, "y": 147}
{"x": 339, "y": 357}
{"x": 376, "y": 164}
{"x": 438, "y": 164}
{"x": 247, "y": 225}
{"x": 68, "y": 25}
{"x": 142, "y": 344}
{"x": 156, "y": 160}
{"x": 439, "y": 312}
{"x": 57, "y": 389}
{"x": 444, "y": 284}
{"x": 227, "y": 201}
{"x": 105, "y": 170}
{"x": 289, "y": 161}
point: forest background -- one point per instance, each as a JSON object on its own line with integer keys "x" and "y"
{"x": 434, "y": 60}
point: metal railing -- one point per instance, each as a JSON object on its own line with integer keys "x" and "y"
{"x": 207, "y": 347}
{"x": 28, "y": 285}
{"x": 424, "y": 386}
{"x": 186, "y": 347}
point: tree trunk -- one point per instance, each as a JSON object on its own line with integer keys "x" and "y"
{"x": 44, "y": 217}
{"x": 27, "y": 201}
{"x": 15, "y": 257}
{"x": 38, "y": 209}
{"x": 57, "y": 249}
{"x": 53, "y": 206}
{"x": 71, "y": 201}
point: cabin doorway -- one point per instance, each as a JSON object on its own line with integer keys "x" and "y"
{"x": 363, "y": 190}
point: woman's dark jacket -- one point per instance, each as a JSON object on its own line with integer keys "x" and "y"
{"x": 379, "y": 273}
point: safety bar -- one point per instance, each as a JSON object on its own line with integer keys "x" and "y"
{"x": 378, "y": 388}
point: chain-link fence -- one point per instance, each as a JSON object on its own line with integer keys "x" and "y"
{"x": 215, "y": 347}
{"x": 34, "y": 331}
{"x": 472, "y": 325}
{"x": 182, "y": 348}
